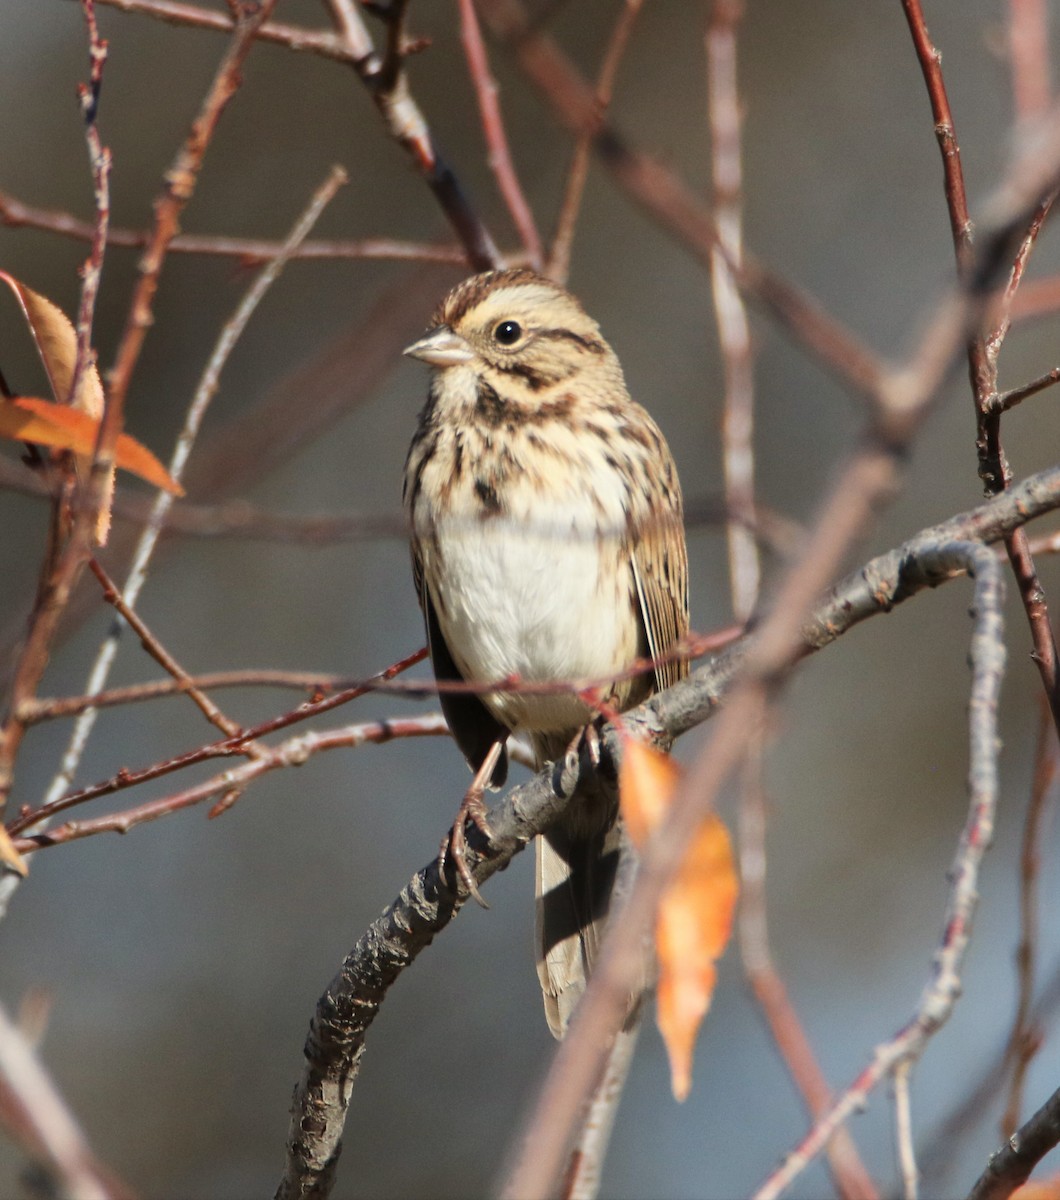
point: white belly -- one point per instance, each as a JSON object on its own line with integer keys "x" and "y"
{"x": 543, "y": 606}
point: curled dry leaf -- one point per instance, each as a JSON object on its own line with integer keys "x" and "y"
{"x": 696, "y": 912}
{"x": 72, "y": 422}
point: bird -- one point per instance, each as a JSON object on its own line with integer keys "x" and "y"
{"x": 548, "y": 547}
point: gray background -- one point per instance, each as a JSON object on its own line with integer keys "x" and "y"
{"x": 184, "y": 960}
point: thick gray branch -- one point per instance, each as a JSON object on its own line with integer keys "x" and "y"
{"x": 425, "y": 906}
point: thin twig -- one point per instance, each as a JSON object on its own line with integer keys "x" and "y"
{"x": 294, "y": 37}
{"x": 1014, "y": 396}
{"x": 387, "y": 83}
{"x": 903, "y": 1131}
{"x": 852, "y": 1180}
{"x": 251, "y": 252}
{"x": 563, "y": 237}
{"x": 230, "y": 728}
{"x": 984, "y": 349}
{"x": 734, "y": 335}
{"x": 1026, "y": 1037}
{"x": 500, "y": 156}
{"x": 987, "y": 658}
{"x": 50, "y": 708}
{"x": 160, "y": 509}
{"x": 291, "y": 753}
{"x": 229, "y": 747}
{"x": 69, "y": 541}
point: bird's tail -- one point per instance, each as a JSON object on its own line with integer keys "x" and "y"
{"x": 575, "y": 874}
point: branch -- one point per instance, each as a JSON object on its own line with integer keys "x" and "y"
{"x": 987, "y": 656}
{"x": 1011, "y": 1166}
{"x": 425, "y": 906}
{"x": 45, "y": 1124}
{"x": 251, "y": 251}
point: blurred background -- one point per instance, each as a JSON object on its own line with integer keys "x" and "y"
{"x": 184, "y": 960}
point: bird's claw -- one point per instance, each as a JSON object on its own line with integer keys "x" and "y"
{"x": 454, "y": 845}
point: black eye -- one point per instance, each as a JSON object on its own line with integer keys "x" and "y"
{"x": 508, "y": 332}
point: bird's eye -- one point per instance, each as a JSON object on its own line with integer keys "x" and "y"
{"x": 508, "y": 332}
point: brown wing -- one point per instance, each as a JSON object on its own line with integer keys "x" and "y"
{"x": 473, "y": 726}
{"x": 660, "y": 568}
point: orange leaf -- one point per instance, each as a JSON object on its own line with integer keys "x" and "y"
{"x": 1039, "y": 1189}
{"x": 56, "y": 342}
{"x": 696, "y": 912}
{"x": 27, "y": 419}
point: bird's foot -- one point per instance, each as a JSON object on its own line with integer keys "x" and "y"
{"x": 454, "y": 845}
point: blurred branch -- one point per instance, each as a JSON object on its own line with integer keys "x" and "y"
{"x": 1011, "y": 1166}
{"x": 500, "y": 157}
{"x": 903, "y": 1131}
{"x": 1025, "y": 1039}
{"x": 41, "y": 1122}
{"x": 734, "y": 335}
{"x": 426, "y": 905}
{"x": 852, "y": 1181}
{"x": 987, "y": 656}
{"x": 1028, "y": 47}
{"x": 563, "y": 237}
{"x": 250, "y": 251}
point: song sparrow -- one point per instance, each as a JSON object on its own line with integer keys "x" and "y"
{"x": 548, "y": 545}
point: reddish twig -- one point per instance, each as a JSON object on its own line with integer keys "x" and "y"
{"x": 291, "y": 753}
{"x": 500, "y": 157}
{"x": 578, "y": 172}
{"x": 204, "y": 393}
{"x": 52, "y": 708}
{"x": 851, "y": 1178}
{"x": 983, "y": 351}
{"x": 226, "y": 748}
{"x": 294, "y": 37}
{"x": 1026, "y": 1037}
{"x": 250, "y": 251}
{"x": 69, "y": 542}
{"x": 111, "y": 594}
{"x": 1014, "y": 396}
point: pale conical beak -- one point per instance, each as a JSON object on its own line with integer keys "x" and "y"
{"x": 441, "y": 348}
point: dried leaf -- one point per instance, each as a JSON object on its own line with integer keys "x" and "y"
{"x": 28, "y": 419}
{"x": 696, "y": 913}
{"x": 10, "y": 856}
{"x": 56, "y": 341}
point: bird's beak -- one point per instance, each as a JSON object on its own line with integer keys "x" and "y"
{"x": 441, "y": 348}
